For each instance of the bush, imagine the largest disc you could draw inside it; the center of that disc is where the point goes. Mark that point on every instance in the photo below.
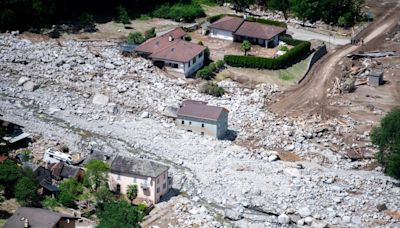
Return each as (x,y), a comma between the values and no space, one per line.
(212,67)
(150,33)
(291,57)
(212,89)
(49,203)
(220,64)
(135,38)
(144,17)
(205,73)
(387,138)
(26,191)
(200,43)
(284,48)
(188,38)
(122,15)
(178,12)
(87,19)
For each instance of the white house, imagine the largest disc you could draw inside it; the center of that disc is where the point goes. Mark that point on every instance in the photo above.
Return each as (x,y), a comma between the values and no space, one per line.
(238,29)
(197,116)
(150,177)
(171,51)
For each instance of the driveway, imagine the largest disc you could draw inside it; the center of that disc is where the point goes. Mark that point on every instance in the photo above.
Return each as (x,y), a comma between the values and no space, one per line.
(303,34)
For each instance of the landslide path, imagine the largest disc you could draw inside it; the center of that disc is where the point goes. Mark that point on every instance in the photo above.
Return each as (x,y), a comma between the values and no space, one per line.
(311,94)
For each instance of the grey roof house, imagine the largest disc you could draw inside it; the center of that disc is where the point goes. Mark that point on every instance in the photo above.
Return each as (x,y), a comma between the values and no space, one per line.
(197,116)
(150,177)
(39,218)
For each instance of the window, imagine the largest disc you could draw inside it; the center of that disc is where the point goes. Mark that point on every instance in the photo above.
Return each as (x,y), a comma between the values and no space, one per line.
(134,180)
(158,180)
(194,60)
(51,156)
(164,186)
(189,63)
(119,177)
(158,190)
(190,122)
(175,65)
(202,125)
(183,122)
(200,55)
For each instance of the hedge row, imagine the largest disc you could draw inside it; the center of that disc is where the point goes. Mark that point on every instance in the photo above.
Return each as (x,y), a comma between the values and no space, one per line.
(215,18)
(186,12)
(291,57)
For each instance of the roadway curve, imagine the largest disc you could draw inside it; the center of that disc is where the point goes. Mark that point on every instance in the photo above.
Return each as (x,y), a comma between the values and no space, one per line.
(310,96)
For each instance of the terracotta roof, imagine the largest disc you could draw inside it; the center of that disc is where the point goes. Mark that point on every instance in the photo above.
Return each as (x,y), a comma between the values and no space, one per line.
(200,110)
(37,217)
(136,166)
(3,157)
(227,23)
(258,30)
(179,50)
(160,42)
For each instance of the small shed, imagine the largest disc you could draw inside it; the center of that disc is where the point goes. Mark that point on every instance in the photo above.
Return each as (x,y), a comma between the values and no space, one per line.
(375,78)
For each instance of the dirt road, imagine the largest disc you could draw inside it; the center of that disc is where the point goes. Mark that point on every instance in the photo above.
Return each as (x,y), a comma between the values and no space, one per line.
(311,94)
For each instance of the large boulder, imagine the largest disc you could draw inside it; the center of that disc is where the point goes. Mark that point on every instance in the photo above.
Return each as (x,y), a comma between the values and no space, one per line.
(22,80)
(100,99)
(30,86)
(283,219)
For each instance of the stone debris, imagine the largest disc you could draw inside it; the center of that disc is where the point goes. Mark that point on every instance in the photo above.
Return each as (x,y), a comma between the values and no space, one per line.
(93,99)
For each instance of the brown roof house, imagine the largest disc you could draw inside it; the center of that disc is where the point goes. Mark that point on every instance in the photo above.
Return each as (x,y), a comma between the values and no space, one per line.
(150,177)
(170,50)
(238,29)
(39,218)
(197,116)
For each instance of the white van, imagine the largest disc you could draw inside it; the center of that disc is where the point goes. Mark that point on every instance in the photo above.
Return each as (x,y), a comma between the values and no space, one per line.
(54,156)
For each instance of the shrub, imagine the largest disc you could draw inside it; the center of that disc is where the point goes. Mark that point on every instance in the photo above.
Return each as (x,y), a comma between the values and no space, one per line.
(200,43)
(220,64)
(387,138)
(122,15)
(212,89)
(245,46)
(135,38)
(150,33)
(25,191)
(212,67)
(284,48)
(87,19)
(178,12)
(144,17)
(49,203)
(291,57)
(205,73)
(188,38)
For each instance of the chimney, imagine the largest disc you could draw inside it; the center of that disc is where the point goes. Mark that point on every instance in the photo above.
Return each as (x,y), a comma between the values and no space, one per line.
(26,223)
(170,38)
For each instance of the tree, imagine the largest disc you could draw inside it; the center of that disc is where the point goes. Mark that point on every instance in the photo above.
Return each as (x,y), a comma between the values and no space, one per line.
(122,15)
(241,5)
(96,173)
(26,191)
(119,214)
(305,9)
(135,38)
(132,192)
(280,5)
(211,88)
(386,137)
(70,189)
(1,193)
(150,33)
(9,174)
(245,46)
(103,197)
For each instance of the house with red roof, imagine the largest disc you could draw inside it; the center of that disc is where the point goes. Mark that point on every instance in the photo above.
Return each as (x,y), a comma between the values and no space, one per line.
(239,29)
(171,51)
(197,116)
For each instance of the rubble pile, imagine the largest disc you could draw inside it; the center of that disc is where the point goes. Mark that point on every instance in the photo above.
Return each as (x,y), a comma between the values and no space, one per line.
(88,95)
